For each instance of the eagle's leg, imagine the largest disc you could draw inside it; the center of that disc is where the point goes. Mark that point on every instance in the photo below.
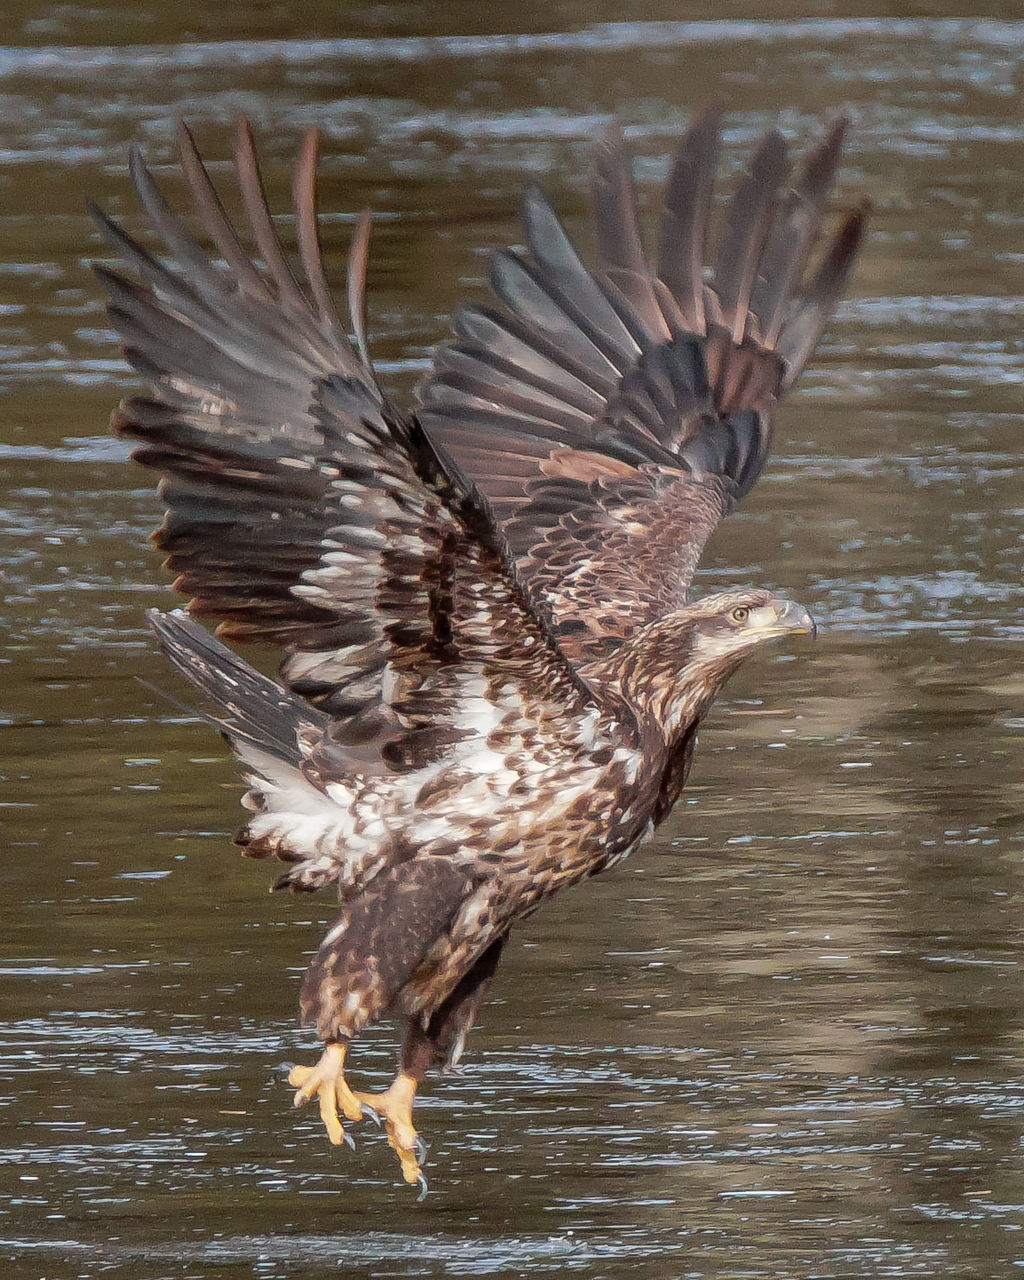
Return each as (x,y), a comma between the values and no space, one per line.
(453,1021)
(394,1105)
(326,1081)
(441,1040)
(361,966)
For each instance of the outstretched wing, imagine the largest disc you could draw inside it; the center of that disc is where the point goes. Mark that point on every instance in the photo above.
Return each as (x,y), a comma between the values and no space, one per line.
(235,355)
(609,421)
(302,510)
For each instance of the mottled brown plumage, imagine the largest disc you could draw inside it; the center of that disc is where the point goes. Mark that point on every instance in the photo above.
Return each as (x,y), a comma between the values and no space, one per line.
(492,675)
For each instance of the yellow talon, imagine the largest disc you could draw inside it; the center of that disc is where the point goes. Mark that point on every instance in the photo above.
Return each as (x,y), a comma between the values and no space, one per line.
(395,1106)
(327,1081)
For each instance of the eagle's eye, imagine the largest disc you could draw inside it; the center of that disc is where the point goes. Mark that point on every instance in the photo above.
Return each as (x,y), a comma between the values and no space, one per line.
(740,614)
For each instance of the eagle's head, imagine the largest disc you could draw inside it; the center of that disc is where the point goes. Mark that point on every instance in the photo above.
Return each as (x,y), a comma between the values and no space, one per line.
(674,668)
(726,626)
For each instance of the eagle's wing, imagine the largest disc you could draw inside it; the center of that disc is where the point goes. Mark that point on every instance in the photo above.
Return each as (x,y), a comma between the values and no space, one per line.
(607,421)
(236,355)
(302,509)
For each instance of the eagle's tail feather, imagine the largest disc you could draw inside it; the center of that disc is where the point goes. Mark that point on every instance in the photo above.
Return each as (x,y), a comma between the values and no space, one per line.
(253,709)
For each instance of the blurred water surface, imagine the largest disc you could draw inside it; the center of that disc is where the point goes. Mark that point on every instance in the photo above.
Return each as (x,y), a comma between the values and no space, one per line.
(788,1039)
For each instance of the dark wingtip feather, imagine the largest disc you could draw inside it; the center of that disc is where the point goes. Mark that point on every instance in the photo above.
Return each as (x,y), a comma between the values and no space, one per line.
(304,196)
(687,207)
(212,215)
(820,166)
(358,258)
(254,198)
(820,297)
(104,222)
(748,221)
(796,228)
(136,159)
(613,202)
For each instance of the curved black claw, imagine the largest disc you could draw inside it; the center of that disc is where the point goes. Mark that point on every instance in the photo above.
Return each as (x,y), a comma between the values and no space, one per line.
(348,1140)
(421,1182)
(421,1151)
(369,1113)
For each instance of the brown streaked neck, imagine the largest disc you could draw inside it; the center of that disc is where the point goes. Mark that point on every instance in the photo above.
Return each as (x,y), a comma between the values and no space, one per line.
(654,675)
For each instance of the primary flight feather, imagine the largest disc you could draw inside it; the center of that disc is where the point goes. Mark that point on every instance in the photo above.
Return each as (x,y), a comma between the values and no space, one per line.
(493,673)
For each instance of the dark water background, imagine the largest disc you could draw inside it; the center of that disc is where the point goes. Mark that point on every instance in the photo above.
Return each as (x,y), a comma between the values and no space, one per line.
(788,1039)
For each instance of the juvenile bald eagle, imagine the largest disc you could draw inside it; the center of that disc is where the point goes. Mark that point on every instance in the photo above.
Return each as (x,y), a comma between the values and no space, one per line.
(492,675)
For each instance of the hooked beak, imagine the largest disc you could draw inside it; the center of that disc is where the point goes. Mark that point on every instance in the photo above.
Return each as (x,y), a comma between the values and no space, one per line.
(795,619)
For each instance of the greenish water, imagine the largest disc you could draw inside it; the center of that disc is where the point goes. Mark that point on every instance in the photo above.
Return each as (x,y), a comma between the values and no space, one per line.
(788,1039)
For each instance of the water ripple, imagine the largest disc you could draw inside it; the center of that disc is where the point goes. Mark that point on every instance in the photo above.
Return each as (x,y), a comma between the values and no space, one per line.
(618,37)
